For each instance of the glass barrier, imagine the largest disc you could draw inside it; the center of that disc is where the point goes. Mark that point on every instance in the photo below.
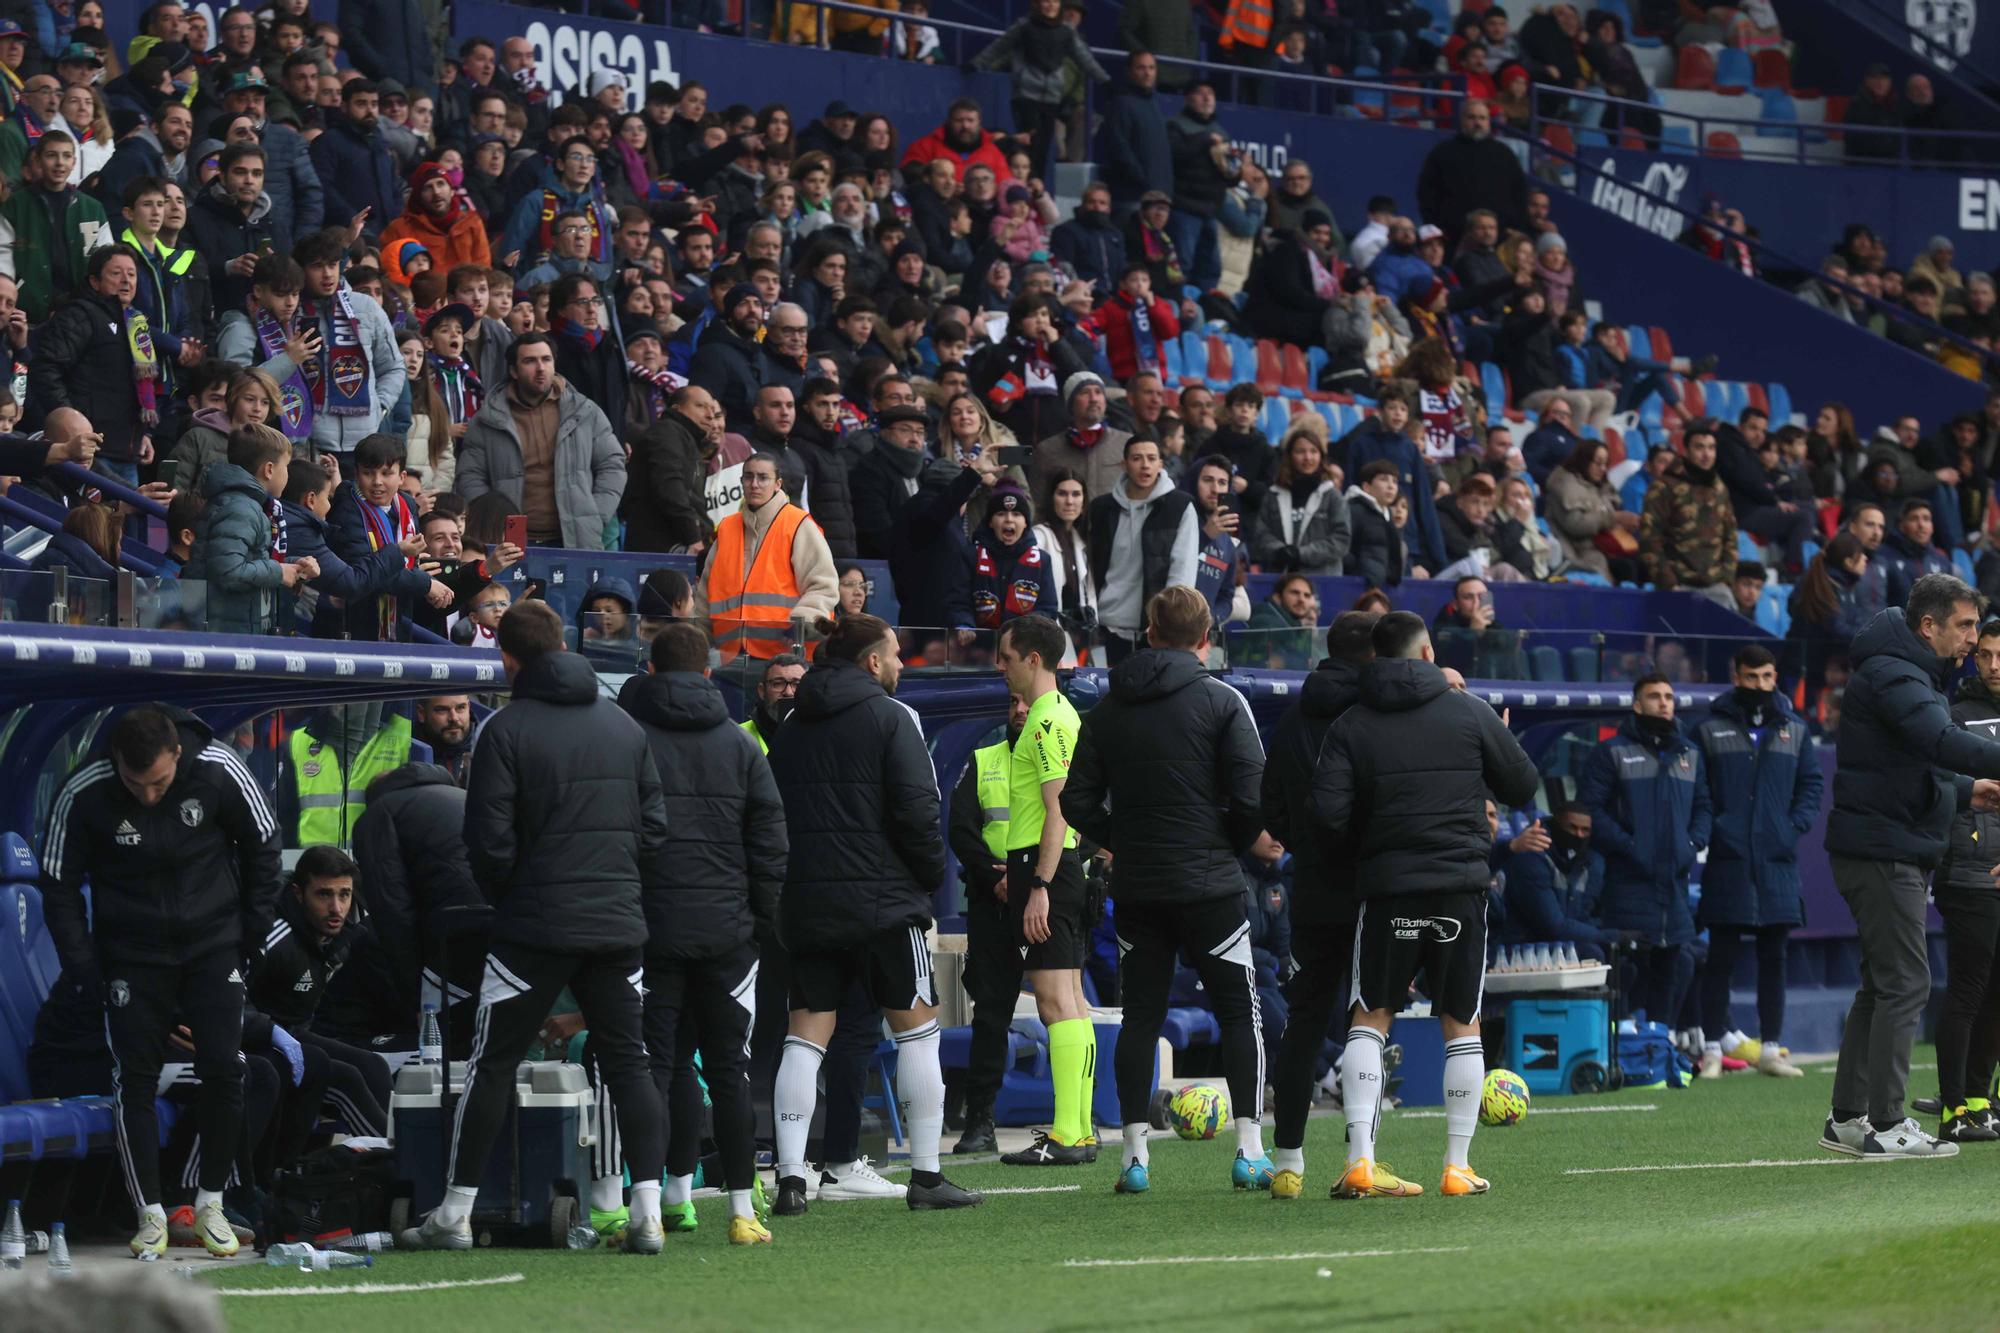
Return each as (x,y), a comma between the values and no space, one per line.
(44,597)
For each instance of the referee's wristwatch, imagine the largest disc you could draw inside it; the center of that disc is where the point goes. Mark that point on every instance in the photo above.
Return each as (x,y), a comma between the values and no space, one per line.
(1037,883)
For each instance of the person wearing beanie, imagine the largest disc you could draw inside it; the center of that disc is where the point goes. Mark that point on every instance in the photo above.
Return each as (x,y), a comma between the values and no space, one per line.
(1935,263)
(1010,571)
(1553,272)
(438,218)
(729,363)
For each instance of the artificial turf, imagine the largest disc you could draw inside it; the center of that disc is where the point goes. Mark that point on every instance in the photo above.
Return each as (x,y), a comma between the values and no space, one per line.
(1846,1244)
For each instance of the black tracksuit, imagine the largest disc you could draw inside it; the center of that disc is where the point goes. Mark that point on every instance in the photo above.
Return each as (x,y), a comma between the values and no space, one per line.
(711,896)
(181,894)
(1324,905)
(1968,1028)
(287,981)
(562,815)
(1166,775)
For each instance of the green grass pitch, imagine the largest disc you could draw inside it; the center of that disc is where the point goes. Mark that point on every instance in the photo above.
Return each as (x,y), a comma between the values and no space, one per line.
(1839,1244)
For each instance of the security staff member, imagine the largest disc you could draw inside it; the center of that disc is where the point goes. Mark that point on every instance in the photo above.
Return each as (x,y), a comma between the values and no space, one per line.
(330,762)
(182,853)
(978,834)
(775,689)
(1044,887)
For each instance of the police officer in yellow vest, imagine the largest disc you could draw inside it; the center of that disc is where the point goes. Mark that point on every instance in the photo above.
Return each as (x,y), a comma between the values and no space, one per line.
(775,689)
(978,833)
(331,760)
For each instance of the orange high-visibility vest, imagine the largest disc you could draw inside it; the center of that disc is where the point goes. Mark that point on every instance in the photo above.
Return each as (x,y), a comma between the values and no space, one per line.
(752,613)
(1247,23)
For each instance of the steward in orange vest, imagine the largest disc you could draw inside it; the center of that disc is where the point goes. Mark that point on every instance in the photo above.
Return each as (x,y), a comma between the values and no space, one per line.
(768,567)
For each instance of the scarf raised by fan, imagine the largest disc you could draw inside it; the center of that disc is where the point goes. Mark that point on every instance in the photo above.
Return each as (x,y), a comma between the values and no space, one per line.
(386,530)
(295,395)
(145,364)
(341,383)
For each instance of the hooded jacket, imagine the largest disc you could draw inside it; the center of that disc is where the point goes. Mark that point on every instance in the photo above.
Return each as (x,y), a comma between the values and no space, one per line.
(665,503)
(861,811)
(289,976)
(1167,775)
(1404,775)
(232,552)
(1765,793)
(732,368)
(563,813)
(717,885)
(1138,547)
(194,873)
(206,442)
(1322,866)
(1975,835)
(1377,551)
(1905,769)
(1371,440)
(1649,814)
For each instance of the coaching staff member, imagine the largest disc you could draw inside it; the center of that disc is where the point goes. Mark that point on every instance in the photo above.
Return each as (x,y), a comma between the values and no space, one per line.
(1166,777)
(1899,782)
(562,812)
(1404,775)
(181,851)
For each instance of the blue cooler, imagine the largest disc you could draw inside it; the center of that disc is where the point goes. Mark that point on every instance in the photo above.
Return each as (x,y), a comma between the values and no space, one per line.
(540,1164)
(1550,1042)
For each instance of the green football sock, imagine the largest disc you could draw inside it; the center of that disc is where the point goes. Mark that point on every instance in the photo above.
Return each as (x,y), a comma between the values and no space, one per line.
(1085,1119)
(1071,1043)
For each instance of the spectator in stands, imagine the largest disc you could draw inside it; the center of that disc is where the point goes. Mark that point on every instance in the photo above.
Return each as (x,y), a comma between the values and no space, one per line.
(86,547)
(1616,70)
(1205,166)
(1747,588)
(961,140)
(548,449)
(1010,575)
(1761,510)
(354,167)
(1035,51)
(1635,378)
(1399,269)
(1935,263)
(1823,295)
(1922,299)
(1834,449)
(1478,535)
(1280,632)
(1386,435)
(588,357)
(1144,536)
(1550,442)
(1293,285)
(1377,550)
(1584,515)
(233,551)
(1647,791)
(91,354)
(1472,170)
(887,478)
(1874,106)
(252,398)
(664,500)
(33,217)
(1024,378)
(1687,534)
(1924,111)
(1830,604)
(1090,243)
(1136,325)
(372,526)
(1302,522)
(1248,450)
(1908,553)
(1224,558)
(439,219)
(361,377)
(230,224)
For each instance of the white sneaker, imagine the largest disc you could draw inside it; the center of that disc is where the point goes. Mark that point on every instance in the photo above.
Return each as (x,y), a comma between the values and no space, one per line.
(436,1235)
(1904,1141)
(1845,1136)
(1776,1061)
(1711,1063)
(857,1180)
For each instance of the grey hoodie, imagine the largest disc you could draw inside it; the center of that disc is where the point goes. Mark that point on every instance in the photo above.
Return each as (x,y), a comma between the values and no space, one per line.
(1121,605)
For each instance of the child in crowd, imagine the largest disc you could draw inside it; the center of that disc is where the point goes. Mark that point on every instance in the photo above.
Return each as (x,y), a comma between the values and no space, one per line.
(371,515)
(240,538)
(1010,572)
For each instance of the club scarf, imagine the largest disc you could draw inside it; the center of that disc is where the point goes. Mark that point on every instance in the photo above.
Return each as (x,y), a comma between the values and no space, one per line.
(553,206)
(385,531)
(295,395)
(280,540)
(656,386)
(30,126)
(341,383)
(1159,249)
(1145,347)
(459,384)
(1087,437)
(569,328)
(145,364)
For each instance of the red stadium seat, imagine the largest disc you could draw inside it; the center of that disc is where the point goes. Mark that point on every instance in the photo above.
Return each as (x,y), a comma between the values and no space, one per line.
(1695,71)
(1292,373)
(1774,69)
(1269,375)
(1721,143)
(1614,444)
(1663,346)
(1758,399)
(1559,138)
(1694,403)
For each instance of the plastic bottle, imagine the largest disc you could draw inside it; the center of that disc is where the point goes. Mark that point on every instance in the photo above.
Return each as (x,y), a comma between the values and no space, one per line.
(59,1260)
(364,1242)
(13,1238)
(309,1260)
(430,1041)
(582,1237)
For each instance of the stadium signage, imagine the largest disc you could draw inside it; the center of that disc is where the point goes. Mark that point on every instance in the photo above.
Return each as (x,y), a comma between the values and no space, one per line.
(1643,205)
(567,54)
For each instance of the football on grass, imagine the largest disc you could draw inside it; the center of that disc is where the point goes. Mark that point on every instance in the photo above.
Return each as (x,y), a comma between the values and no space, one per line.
(1200,1110)
(1504,1099)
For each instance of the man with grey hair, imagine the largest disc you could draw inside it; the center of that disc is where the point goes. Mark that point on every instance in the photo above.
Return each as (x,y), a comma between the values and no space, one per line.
(764,240)
(1905,770)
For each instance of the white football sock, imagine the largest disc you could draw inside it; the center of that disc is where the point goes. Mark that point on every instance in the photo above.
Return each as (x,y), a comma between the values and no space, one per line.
(1249,1136)
(920,1090)
(607,1194)
(457,1205)
(153,1209)
(645,1201)
(792,1102)
(1361,1089)
(1135,1144)
(1730,1041)
(1289,1159)
(677,1189)
(203,1198)
(1464,1079)
(739,1204)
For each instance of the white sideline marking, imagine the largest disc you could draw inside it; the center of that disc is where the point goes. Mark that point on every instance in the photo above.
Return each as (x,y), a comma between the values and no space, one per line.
(1545,1110)
(1713,1166)
(1258,1258)
(1832,1068)
(1035,1189)
(373,1288)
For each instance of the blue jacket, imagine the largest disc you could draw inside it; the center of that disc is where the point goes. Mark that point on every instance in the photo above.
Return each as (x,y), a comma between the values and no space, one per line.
(357,172)
(1905,768)
(232,552)
(386,40)
(1133,153)
(346,532)
(1370,441)
(1551,898)
(1903,563)
(1094,247)
(1573,363)
(1399,273)
(298,203)
(524,227)
(306,534)
(1765,797)
(1545,449)
(1649,815)
(1604,367)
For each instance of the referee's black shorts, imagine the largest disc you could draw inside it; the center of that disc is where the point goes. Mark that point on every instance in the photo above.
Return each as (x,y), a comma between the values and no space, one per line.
(1068,939)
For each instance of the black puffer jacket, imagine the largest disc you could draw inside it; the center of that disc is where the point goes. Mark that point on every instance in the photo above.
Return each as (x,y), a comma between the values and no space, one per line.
(861,809)
(1975,835)
(1166,775)
(1903,768)
(829,493)
(1322,867)
(410,845)
(289,978)
(562,809)
(170,882)
(1406,774)
(725,856)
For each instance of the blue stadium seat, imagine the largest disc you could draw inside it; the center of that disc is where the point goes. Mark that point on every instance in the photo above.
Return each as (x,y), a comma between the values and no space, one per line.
(1187,1027)
(1494,383)
(1780,399)
(1176,363)
(1194,356)
(1778,105)
(1747,548)
(1732,68)
(1961,560)
(1316,360)
(1677,139)
(1774,609)
(1273,420)
(1545,663)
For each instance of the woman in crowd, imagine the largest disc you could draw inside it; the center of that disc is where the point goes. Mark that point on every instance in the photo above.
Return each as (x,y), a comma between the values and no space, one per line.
(1302,522)
(853,595)
(1583,512)
(1828,606)
(1836,452)
(1064,536)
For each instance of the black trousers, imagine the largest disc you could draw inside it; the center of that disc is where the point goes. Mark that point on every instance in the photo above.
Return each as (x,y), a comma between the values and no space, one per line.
(1215,936)
(1319,992)
(142,1003)
(707,1005)
(357,1084)
(514,997)
(993,981)
(1657,981)
(259,1148)
(1968,1030)
(1724,943)
(1038,121)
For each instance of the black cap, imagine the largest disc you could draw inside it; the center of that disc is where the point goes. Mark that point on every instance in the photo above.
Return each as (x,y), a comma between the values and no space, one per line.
(836,109)
(897,415)
(456,310)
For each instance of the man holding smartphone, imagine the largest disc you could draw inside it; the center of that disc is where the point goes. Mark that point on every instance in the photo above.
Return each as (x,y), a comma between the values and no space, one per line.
(1218,573)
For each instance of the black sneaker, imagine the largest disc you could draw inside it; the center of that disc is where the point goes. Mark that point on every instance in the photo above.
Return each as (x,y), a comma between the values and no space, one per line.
(1045,1151)
(791,1198)
(944,1194)
(1967,1127)
(978,1136)
(1928,1106)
